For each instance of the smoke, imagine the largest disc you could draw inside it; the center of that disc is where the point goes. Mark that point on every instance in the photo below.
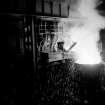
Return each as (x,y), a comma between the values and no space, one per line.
(83,26)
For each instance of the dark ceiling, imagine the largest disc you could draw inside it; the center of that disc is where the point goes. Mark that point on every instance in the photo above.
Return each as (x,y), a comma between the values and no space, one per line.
(27,6)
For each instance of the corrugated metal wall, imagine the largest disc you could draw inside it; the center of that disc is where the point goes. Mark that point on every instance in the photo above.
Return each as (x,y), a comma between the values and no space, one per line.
(40,7)
(52,8)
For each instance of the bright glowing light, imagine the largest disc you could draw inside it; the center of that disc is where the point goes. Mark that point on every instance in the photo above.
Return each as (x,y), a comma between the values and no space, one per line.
(86,49)
(85,32)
